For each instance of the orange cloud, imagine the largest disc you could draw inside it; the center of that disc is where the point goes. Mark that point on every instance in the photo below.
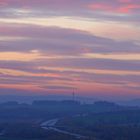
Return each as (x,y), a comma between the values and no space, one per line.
(92,71)
(28,74)
(26,87)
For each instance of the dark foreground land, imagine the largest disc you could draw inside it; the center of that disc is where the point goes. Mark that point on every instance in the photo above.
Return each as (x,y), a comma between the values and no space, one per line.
(97,121)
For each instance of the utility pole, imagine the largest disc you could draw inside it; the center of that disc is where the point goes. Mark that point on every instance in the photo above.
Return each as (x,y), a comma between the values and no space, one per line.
(73,95)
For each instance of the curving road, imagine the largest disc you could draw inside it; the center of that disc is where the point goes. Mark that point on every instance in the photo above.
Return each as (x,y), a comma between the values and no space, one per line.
(50,125)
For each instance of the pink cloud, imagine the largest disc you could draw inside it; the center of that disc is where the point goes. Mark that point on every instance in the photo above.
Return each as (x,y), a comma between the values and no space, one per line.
(116,6)
(127,8)
(125,1)
(99,6)
(3,3)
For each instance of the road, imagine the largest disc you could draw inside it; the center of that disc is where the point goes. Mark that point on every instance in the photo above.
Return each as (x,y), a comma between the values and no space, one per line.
(50,125)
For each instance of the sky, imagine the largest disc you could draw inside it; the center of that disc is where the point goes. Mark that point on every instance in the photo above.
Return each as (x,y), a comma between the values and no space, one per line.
(57,46)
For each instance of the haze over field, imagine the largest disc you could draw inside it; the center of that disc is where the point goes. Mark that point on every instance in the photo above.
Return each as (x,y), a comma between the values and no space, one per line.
(55,46)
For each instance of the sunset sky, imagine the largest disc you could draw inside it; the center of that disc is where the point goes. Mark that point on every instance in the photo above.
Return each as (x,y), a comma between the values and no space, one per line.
(57,46)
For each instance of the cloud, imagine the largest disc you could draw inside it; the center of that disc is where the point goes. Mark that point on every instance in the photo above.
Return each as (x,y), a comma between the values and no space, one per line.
(54,40)
(52,46)
(124,9)
(100,9)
